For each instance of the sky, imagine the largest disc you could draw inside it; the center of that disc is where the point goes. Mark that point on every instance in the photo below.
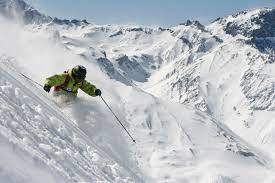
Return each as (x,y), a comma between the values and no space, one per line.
(164,13)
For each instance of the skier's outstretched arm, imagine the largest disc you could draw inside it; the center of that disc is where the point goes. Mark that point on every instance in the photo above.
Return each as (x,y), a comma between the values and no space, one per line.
(90,89)
(54,80)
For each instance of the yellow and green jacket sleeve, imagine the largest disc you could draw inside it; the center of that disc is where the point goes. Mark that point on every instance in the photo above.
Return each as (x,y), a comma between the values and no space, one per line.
(55,80)
(88,88)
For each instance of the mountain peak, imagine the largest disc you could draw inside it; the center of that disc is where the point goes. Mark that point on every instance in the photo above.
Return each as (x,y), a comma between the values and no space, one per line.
(193,22)
(257,23)
(20,10)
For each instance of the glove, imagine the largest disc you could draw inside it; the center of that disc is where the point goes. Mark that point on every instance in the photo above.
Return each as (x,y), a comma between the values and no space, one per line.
(47,88)
(97,92)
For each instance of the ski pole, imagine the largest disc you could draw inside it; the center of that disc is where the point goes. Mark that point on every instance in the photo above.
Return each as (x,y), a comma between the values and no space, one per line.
(117,119)
(31,80)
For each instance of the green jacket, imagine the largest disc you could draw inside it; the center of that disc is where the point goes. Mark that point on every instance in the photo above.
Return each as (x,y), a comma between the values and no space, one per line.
(71,86)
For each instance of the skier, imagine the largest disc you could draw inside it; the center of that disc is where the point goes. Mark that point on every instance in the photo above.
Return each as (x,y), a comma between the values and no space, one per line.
(68,83)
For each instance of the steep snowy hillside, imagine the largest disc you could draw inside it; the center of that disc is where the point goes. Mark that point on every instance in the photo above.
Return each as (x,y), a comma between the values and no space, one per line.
(33,129)
(174,143)
(234,81)
(219,126)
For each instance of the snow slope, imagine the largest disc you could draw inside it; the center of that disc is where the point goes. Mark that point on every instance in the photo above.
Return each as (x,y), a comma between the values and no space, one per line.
(174,142)
(47,138)
(233,82)
(222,129)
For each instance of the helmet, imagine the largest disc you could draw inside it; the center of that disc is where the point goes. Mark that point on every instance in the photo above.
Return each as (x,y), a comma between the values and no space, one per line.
(79,72)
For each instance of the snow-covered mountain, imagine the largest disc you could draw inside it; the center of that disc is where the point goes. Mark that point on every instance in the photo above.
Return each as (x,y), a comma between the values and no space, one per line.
(21,11)
(198,99)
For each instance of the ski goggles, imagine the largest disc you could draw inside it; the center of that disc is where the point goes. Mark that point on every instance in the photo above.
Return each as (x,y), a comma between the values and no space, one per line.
(79,76)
